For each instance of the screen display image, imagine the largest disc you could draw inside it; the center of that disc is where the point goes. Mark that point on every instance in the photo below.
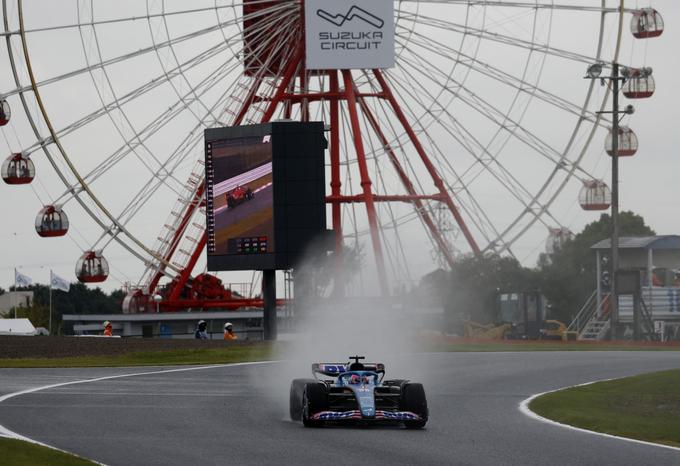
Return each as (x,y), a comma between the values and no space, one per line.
(265,198)
(242,196)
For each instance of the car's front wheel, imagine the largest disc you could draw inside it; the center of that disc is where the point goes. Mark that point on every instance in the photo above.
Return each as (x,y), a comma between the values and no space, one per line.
(314,400)
(413,400)
(297,388)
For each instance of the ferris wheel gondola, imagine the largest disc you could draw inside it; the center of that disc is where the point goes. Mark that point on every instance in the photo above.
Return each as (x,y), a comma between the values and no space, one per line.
(18,169)
(5,112)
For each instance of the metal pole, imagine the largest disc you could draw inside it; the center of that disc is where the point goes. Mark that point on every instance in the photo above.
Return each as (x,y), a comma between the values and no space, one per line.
(12,299)
(269,298)
(636,316)
(50,326)
(11,295)
(615,202)
(598,272)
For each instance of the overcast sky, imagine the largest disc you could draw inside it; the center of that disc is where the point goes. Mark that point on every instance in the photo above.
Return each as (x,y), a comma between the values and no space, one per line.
(649,181)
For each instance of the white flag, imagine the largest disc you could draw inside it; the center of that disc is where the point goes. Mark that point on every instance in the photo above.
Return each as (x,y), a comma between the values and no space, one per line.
(22,280)
(58,283)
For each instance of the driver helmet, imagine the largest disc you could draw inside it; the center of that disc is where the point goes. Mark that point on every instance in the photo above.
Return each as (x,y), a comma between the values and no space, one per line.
(228,326)
(355,379)
(202,324)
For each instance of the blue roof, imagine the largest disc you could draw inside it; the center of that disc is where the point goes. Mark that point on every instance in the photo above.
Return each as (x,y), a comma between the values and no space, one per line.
(642,242)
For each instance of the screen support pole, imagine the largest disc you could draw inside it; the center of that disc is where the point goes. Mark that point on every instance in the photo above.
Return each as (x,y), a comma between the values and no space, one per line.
(269,298)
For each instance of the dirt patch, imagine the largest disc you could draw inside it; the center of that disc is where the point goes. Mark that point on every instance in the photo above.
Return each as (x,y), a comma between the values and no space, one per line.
(15,347)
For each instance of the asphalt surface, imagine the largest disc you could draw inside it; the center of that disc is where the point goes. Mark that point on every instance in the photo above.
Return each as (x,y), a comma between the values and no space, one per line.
(237,414)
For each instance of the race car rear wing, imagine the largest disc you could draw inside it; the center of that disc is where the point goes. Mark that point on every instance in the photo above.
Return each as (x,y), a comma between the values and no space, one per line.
(334,369)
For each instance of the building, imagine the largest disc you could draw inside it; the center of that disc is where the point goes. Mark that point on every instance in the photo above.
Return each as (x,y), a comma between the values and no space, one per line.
(657,258)
(15,298)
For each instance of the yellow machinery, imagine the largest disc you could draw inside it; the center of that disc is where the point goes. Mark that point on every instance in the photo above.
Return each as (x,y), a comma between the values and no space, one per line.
(486,332)
(553,330)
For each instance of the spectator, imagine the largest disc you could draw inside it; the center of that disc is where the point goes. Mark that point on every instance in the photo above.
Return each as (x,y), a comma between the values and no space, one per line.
(201,330)
(229,332)
(108,329)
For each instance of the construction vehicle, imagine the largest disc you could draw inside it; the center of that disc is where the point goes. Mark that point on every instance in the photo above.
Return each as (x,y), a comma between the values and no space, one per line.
(521,316)
(486,332)
(553,330)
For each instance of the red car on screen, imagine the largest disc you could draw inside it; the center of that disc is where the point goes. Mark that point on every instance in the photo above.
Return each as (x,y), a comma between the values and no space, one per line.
(238,196)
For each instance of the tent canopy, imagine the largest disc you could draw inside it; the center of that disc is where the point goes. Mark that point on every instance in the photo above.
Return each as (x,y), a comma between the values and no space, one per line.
(16,327)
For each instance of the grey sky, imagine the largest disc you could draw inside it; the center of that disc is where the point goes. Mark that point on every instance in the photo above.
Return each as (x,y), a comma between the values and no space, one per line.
(648,180)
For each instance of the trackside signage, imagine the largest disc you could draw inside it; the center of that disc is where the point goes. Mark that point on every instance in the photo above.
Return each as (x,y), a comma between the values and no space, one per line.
(349,34)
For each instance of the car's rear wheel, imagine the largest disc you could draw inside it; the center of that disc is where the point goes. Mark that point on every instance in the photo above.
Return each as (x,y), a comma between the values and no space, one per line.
(314,400)
(413,400)
(297,388)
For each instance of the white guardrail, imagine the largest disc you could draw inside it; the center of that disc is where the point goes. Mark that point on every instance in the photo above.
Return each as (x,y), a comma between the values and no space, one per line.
(227,185)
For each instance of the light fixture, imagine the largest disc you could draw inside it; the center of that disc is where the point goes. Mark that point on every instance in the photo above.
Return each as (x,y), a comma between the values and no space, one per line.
(594,70)
(646,71)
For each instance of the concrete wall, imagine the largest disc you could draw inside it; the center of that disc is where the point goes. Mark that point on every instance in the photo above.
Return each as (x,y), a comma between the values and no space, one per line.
(15,298)
(171,329)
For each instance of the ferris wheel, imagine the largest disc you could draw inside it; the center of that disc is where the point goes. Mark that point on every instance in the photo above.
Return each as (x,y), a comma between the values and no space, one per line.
(478,139)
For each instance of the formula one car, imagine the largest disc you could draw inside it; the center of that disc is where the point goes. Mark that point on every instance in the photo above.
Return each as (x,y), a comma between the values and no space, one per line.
(238,196)
(356,393)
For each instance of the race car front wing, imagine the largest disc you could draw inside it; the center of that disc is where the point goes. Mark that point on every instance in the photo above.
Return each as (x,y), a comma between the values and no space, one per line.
(356,415)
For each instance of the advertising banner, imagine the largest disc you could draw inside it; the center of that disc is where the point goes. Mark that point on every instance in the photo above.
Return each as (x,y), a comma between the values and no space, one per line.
(349,34)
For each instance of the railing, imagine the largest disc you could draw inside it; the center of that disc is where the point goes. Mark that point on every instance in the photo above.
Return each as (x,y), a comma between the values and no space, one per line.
(648,322)
(584,315)
(663,303)
(591,312)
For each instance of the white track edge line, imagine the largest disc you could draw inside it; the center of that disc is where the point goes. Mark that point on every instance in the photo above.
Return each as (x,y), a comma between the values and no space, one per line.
(6,433)
(524,409)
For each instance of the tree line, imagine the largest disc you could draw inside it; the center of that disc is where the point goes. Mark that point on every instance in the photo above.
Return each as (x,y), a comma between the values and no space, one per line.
(468,292)
(566,277)
(78,300)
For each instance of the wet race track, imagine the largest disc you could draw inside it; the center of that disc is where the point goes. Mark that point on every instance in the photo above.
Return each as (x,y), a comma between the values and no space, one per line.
(237,414)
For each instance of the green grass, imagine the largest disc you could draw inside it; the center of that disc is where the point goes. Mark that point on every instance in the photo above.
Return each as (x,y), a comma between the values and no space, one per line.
(510,345)
(20,453)
(240,353)
(267,351)
(645,407)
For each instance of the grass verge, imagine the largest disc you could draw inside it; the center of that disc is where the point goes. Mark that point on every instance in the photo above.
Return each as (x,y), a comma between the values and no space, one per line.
(20,453)
(231,354)
(644,407)
(266,351)
(470,345)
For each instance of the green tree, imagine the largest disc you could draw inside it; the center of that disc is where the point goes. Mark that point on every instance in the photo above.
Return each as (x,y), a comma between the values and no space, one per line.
(568,278)
(474,283)
(78,300)
(38,314)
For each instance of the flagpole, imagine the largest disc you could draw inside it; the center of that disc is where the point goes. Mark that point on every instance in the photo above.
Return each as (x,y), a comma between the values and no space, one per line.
(50,327)
(15,291)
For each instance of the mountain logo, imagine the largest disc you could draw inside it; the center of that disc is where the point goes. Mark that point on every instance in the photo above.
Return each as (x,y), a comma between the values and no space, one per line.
(354,12)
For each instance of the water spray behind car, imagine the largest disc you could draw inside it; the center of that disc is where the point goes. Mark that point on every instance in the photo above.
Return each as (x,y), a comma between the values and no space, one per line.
(331,328)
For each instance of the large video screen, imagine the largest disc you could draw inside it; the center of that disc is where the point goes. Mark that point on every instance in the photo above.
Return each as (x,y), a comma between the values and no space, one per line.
(265,194)
(241,196)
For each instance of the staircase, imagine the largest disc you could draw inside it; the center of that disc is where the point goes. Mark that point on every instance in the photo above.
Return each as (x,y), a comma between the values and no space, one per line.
(596,329)
(592,322)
